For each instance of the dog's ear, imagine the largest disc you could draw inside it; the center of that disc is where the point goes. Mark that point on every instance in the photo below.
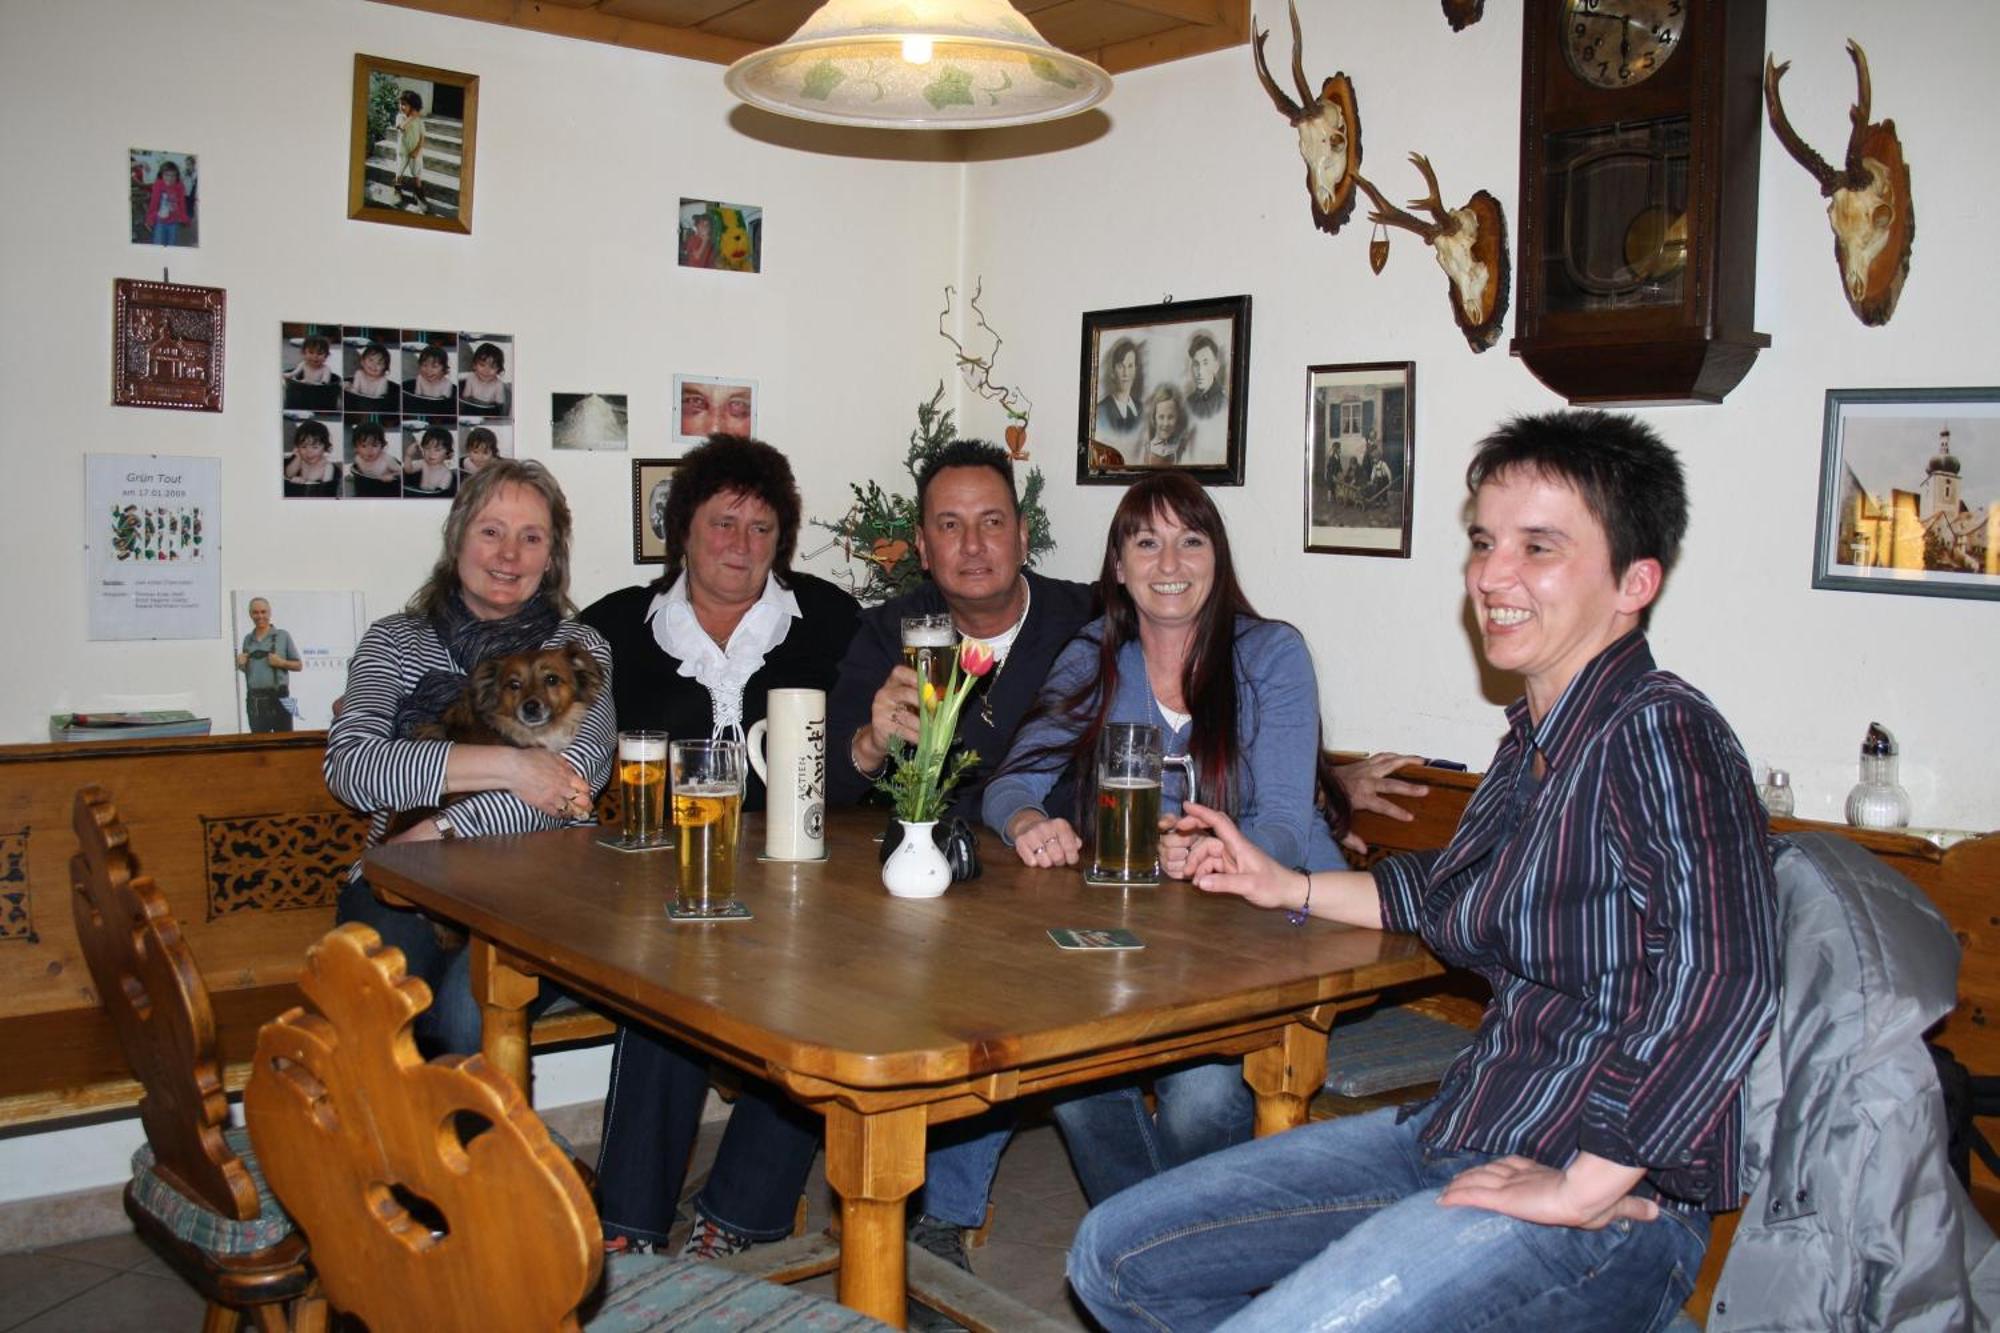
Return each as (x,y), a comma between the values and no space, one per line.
(483,687)
(589,675)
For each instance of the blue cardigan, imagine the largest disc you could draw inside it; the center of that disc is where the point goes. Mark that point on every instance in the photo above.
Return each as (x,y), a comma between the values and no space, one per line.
(1277,705)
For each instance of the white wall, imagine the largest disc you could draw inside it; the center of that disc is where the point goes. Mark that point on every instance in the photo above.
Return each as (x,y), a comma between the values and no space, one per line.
(1197,190)
(584,151)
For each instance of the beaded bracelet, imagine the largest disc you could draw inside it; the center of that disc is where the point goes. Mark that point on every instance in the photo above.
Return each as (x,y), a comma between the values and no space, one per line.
(1298,915)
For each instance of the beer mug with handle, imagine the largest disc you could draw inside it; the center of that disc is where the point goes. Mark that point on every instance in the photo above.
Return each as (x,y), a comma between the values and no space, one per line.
(1127,823)
(787,747)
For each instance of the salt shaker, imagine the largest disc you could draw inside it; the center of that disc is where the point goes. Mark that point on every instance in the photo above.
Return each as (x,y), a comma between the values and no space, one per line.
(1776,793)
(1878,800)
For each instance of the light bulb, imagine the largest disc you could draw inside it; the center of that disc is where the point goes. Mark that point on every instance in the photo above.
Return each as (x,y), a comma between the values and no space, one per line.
(917,50)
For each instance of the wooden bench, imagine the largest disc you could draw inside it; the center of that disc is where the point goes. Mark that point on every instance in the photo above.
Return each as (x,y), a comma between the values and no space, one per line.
(250,850)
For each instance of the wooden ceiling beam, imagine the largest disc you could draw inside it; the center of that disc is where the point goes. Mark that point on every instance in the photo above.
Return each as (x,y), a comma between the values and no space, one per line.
(1177,43)
(591,25)
(1205,13)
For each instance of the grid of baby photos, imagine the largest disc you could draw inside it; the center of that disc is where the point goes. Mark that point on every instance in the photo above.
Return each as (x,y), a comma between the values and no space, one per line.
(382,414)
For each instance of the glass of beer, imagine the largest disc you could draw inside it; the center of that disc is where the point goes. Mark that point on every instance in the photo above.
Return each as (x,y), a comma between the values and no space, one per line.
(708,807)
(1128,804)
(642,786)
(929,644)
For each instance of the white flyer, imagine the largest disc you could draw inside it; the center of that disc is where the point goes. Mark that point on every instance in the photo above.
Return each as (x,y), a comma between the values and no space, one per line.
(151,536)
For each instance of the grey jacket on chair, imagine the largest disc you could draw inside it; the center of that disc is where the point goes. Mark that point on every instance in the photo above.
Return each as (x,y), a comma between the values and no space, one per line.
(1854,1219)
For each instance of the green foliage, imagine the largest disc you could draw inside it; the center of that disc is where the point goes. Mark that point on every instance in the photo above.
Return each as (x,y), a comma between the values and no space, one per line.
(382,95)
(880,529)
(918,792)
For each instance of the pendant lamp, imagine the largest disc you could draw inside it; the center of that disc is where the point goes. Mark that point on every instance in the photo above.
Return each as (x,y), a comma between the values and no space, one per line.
(918,65)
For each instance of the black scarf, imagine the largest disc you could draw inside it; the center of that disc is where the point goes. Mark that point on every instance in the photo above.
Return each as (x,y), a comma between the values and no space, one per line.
(470,641)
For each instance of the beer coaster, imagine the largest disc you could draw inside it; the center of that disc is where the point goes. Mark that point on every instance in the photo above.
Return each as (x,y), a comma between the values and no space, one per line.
(792,860)
(1102,882)
(615,840)
(733,910)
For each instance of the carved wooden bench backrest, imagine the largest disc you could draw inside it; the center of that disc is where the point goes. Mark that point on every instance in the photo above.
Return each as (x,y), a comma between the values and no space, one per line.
(150,986)
(431,1192)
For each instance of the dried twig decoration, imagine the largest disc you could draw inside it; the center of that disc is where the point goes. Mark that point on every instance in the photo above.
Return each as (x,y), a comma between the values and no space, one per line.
(978,372)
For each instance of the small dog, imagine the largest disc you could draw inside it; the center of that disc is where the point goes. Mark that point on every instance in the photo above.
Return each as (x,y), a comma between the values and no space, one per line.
(527,700)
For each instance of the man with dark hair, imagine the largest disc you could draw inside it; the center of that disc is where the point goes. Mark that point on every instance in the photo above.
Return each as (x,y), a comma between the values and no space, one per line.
(1206,394)
(1610,880)
(972,540)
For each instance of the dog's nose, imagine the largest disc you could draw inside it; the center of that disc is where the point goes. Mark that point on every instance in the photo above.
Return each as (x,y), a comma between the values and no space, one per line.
(534,712)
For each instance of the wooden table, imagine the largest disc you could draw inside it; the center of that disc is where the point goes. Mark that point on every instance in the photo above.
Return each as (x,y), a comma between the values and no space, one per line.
(888,1015)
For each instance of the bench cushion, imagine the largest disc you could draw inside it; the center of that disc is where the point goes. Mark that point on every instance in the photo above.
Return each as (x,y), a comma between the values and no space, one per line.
(200,1225)
(1390,1047)
(651,1293)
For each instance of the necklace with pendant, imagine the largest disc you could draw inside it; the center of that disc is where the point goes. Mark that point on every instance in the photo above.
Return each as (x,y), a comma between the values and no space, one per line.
(986,694)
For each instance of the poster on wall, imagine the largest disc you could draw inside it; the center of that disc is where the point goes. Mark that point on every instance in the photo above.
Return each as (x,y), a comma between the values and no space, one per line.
(378,413)
(164,195)
(290,653)
(150,541)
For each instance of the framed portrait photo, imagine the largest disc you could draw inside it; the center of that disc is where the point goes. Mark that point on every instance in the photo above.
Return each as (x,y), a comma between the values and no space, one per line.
(1360,456)
(708,405)
(411,148)
(1164,386)
(1909,492)
(651,479)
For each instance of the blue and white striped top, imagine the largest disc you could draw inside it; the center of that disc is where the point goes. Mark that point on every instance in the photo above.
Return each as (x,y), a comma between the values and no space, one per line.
(368,769)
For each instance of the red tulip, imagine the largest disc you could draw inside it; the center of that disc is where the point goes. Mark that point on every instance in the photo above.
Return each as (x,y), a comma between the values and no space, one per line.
(975,657)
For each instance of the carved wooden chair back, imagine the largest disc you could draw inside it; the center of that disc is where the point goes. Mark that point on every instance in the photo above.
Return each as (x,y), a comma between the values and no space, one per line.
(194,1190)
(148,982)
(432,1193)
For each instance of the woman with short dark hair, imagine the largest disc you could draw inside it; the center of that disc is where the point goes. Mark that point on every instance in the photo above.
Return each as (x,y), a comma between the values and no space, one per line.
(698,651)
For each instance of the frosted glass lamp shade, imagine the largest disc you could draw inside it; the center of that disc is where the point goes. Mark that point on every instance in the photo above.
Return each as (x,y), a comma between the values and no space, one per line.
(918,65)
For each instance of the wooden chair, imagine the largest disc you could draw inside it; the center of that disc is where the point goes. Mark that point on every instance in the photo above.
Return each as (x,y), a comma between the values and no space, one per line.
(433,1194)
(195,1191)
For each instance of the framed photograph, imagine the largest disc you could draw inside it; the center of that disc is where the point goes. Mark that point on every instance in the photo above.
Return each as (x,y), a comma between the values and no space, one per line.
(166,345)
(723,236)
(1163,386)
(1909,492)
(651,478)
(165,195)
(1360,456)
(588,421)
(714,404)
(411,149)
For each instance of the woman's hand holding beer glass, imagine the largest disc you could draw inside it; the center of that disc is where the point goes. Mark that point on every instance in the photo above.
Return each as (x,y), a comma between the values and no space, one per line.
(1041,841)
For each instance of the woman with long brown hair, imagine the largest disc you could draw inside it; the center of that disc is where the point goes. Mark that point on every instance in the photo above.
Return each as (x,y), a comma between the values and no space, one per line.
(1179,646)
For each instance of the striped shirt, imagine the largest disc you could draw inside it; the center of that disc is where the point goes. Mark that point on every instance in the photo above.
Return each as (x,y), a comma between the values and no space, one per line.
(367,768)
(1622,907)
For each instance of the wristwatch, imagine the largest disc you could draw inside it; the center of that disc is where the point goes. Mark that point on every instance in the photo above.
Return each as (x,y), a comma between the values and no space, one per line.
(446,829)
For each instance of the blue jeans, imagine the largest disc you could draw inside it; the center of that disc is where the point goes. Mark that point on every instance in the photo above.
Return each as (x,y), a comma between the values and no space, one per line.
(166,233)
(451,1026)
(1340,1220)
(1114,1142)
(959,1168)
(652,1112)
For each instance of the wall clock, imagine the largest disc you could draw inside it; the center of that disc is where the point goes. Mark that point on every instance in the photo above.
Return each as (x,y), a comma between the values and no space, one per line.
(1640,126)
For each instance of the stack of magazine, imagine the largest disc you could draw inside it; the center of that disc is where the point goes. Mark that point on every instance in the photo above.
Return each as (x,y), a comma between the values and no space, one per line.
(125,726)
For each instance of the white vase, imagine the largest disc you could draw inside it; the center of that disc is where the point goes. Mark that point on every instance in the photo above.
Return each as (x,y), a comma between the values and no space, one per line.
(917,868)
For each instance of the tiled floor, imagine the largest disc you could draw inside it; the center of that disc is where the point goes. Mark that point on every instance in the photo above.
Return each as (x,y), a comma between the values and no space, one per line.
(115,1284)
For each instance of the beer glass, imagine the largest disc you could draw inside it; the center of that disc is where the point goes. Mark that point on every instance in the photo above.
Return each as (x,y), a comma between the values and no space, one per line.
(1127,846)
(708,807)
(929,644)
(642,786)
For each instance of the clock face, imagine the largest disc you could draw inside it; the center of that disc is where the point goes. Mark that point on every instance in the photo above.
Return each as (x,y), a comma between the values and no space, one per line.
(1620,43)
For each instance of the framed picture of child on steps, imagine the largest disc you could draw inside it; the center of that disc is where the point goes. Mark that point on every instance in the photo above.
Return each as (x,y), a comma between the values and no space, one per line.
(411,151)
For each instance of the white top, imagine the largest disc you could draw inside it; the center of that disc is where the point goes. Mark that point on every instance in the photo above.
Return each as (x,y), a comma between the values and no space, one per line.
(1002,644)
(723,671)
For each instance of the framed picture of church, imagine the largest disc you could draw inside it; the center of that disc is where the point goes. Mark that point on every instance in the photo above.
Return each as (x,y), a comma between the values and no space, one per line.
(1909,492)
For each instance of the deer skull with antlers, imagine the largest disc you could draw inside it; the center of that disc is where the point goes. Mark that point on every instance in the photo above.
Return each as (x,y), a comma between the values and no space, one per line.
(1471,247)
(1868,197)
(1329,129)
